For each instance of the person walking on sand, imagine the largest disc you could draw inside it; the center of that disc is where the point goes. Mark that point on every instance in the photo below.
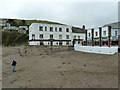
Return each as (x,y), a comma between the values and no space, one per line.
(14,65)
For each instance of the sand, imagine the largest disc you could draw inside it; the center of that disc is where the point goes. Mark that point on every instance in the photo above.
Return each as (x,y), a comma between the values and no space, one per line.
(67,69)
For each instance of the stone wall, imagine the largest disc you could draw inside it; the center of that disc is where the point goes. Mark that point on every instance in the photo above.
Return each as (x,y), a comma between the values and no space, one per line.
(43,50)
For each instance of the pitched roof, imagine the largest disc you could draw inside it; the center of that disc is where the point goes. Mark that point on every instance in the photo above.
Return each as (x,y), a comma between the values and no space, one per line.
(77,30)
(113,25)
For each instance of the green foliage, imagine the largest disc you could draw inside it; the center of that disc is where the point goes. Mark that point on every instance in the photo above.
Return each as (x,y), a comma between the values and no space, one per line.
(41,21)
(12,22)
(19,22)
(13,38)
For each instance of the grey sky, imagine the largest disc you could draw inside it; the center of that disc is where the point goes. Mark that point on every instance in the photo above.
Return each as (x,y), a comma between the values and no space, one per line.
(92,14)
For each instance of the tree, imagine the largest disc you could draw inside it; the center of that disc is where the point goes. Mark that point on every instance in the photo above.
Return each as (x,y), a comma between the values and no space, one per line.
(23,22)
(12,22)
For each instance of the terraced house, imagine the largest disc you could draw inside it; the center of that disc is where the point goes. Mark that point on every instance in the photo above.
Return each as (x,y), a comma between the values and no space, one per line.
(54,34)
(104,31)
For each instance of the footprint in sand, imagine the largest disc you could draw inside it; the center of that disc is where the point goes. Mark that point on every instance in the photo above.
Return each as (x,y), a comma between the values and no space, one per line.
(84,65)
(7,63)
(29,80)
(62,74)
(98,65)
(20,70)
(63,63)
(13,81)
(6,73)
(60,86)
(62,57)
(59,67)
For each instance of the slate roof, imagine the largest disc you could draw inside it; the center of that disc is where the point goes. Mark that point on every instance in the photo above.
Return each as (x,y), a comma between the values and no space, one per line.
(113,25)
(77,30)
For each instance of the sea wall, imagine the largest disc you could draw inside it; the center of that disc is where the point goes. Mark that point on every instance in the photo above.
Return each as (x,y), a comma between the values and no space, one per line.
(41,50)
(97,49)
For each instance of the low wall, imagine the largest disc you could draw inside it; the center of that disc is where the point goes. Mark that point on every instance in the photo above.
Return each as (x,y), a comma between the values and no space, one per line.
(96,49)
(41,50)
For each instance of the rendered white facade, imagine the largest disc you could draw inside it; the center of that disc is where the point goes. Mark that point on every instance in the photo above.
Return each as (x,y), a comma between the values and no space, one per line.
(61,33)
(114,33)
(78,36)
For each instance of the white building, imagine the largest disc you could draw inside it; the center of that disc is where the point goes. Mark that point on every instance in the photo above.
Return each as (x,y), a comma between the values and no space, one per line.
(78,36)
(11,28)
(23,29)
(3,22)
(114,34)
(43,34)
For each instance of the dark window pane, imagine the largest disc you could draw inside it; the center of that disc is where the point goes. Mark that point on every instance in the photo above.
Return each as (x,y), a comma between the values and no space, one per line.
(51,36)
(40,28)
(67,29)
(56,29)
(60,29)
(51,28)
(45,28)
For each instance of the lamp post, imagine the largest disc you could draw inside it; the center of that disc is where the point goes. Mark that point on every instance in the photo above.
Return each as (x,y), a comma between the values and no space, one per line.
(109,35)
(86,37)
(92,36)
(100,36)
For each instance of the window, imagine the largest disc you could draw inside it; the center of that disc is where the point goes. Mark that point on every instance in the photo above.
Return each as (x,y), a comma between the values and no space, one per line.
(40,28)
(56,43)
(115,33)
(41,36)
(78,42)
(41,43)
(67,43)
(89,34)
(48,43)
(45,28)
(56,29)
(33,36)
(60,29)
(96,33)
(67,36)
(104,33)
(78,37)
(51,28)
(60,43)
(51,36)
(74,37)
(67,29)
(60,36)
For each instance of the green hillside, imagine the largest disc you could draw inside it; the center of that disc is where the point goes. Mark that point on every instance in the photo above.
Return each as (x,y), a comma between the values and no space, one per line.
(14,38)
(20,22)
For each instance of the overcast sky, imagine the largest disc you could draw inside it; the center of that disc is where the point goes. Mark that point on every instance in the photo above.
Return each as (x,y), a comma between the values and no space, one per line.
(77,13)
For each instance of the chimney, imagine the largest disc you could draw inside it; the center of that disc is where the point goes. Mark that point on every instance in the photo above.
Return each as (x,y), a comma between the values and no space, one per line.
(83,27)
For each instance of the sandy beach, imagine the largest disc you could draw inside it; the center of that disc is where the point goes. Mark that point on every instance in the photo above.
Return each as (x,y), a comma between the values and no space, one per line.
(66,69)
